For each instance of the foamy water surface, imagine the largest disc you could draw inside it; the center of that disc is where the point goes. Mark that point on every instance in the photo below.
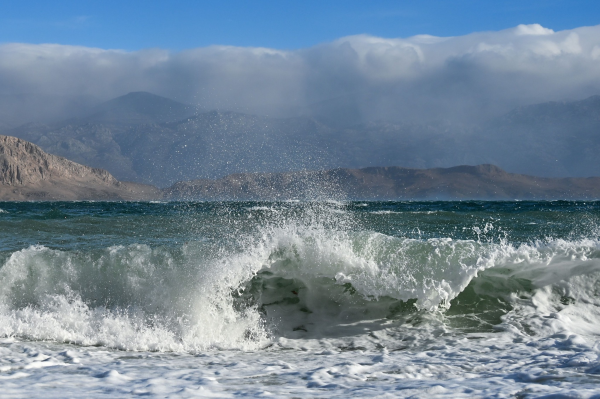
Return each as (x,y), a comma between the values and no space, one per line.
(432,299)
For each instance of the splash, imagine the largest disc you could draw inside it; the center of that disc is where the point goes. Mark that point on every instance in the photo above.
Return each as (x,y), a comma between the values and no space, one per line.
(307,271)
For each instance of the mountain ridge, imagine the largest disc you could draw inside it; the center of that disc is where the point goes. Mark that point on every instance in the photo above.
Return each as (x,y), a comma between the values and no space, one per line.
(554,139)
(28,173)
(140,106)
(463,182)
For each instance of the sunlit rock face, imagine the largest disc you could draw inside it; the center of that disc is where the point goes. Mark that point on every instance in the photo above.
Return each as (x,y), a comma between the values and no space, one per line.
(28,173)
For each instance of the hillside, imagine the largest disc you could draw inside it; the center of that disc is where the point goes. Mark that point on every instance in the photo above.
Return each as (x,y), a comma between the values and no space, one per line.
(485,182)
(28,173)
(154,140)
(140,107)
(554,139)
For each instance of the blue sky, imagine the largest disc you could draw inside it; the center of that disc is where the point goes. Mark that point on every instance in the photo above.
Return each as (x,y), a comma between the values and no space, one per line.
(178,24)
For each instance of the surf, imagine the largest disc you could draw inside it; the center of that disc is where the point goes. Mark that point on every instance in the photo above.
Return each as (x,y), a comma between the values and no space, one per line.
(299,272)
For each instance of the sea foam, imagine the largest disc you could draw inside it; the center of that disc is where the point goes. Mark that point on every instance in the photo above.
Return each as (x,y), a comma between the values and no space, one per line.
(288,279)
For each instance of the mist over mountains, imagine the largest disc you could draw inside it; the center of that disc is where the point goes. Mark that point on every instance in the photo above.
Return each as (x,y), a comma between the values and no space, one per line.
(150,139)
(524,99)
(28,173)
(351,80)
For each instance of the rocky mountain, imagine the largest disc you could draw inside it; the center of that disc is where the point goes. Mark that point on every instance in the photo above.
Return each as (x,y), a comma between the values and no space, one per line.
(133,145)
(95,139)
(153,140)
(486,182)
(28,173)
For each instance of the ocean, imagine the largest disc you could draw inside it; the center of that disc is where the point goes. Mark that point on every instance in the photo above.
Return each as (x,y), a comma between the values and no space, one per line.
(468,299)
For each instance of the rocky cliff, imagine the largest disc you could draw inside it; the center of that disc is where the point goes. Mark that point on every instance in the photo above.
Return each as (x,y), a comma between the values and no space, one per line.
(28,173)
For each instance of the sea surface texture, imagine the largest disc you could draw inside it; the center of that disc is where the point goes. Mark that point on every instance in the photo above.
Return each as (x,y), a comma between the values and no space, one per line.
(300,299)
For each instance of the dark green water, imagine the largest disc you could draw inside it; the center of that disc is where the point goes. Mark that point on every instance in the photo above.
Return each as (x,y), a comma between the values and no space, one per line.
(86,225)
(291,269)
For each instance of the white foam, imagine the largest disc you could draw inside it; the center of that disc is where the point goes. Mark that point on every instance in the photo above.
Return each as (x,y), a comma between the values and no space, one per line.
(141,307)
(179,304)
(138,298)
(485,365)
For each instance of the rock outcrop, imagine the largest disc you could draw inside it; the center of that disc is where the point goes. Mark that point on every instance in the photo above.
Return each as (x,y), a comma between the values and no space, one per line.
(28,173)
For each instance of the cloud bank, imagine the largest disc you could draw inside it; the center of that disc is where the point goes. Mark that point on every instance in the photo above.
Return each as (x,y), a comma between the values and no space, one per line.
(464,78)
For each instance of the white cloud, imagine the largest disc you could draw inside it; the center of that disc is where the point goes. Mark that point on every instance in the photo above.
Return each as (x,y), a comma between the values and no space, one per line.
(475,75)
(533,29)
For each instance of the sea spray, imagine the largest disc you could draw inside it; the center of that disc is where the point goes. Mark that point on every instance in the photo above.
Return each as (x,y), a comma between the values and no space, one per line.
(296,270)
(456,299)
(131,298)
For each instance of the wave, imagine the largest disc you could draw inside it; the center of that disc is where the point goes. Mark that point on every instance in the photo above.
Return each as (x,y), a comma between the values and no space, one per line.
(132,297)
(296,279)
(319,279)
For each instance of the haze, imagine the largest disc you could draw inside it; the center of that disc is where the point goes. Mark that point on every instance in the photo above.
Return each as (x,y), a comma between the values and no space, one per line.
(354,101)
(466,78)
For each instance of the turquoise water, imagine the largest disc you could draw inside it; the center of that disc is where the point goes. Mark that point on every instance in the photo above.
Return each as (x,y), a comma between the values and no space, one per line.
(78,225)
(343,280)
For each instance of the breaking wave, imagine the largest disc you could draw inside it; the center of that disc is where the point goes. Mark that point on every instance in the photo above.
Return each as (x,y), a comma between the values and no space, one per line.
(296,278)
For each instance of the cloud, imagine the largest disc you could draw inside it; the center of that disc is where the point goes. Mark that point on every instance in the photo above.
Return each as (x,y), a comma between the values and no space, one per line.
(422,77)
(533,29)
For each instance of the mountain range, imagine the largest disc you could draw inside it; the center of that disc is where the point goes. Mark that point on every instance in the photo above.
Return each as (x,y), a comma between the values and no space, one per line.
(481,182)
(150,139)
(28,173)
